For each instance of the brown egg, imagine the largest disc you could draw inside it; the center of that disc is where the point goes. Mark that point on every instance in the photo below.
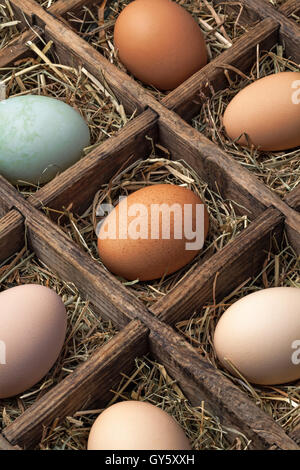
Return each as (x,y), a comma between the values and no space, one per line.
(159,42)
(32,332)
(136,425)
(260,335)
(268,112)
(151,233)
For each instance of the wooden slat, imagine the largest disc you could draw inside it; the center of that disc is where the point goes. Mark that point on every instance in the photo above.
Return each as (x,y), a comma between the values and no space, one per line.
(91,383)
(289,30)
(187,99)
(199,381)
(293,198)
(17,50)
(224,271)
(290,7)
(12,234)
(293,231)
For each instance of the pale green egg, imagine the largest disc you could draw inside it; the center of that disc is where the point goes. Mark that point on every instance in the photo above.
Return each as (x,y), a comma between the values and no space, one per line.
(39,138)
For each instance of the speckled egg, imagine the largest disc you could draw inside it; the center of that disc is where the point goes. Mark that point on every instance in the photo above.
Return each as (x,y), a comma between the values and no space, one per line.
(153,232)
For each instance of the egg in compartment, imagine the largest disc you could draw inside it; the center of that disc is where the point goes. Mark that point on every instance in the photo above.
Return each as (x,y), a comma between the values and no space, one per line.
(153,232)
(136,425)
(266,113)
(40,136)
(33,324)
(159,42)
(259,336)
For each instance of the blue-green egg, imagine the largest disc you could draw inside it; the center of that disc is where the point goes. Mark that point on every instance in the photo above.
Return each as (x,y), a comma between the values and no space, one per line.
(39,138)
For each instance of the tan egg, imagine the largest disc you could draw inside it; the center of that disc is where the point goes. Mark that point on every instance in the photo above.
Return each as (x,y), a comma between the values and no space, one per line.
(260,335)
(268,111)
(159,42)
(155,233)
(32,332)
(136,425)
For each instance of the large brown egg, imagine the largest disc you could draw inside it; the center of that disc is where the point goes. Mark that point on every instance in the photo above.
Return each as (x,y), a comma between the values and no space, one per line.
(266,113)
(136,425)
(159,42)
(153,232)
(260,335)
(32,332)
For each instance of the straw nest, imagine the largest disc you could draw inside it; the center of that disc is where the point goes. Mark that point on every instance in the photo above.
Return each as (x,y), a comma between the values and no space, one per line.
(148,382)
(85,332)
(281,268)
(280,171)
(95,24)
(42,74)
(225,223)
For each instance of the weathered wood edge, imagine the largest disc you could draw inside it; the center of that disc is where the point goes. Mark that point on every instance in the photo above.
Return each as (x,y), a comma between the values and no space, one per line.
(289,7)
(17,49)
(293,199)
(12,234)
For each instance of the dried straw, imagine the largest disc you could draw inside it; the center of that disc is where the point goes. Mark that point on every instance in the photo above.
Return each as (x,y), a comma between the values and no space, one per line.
(9,25)
(281,268)
(42,74)
(280,171)
(225,223)
(149,382)
(85,332)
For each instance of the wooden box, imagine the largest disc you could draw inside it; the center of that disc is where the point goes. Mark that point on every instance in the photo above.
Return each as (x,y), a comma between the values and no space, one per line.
(165,121)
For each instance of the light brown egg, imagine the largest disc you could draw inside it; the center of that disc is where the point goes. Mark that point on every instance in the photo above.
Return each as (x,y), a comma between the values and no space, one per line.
(260,335)
(268,111)
(147,243)
(32,332)
(159,42)
(136,425)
